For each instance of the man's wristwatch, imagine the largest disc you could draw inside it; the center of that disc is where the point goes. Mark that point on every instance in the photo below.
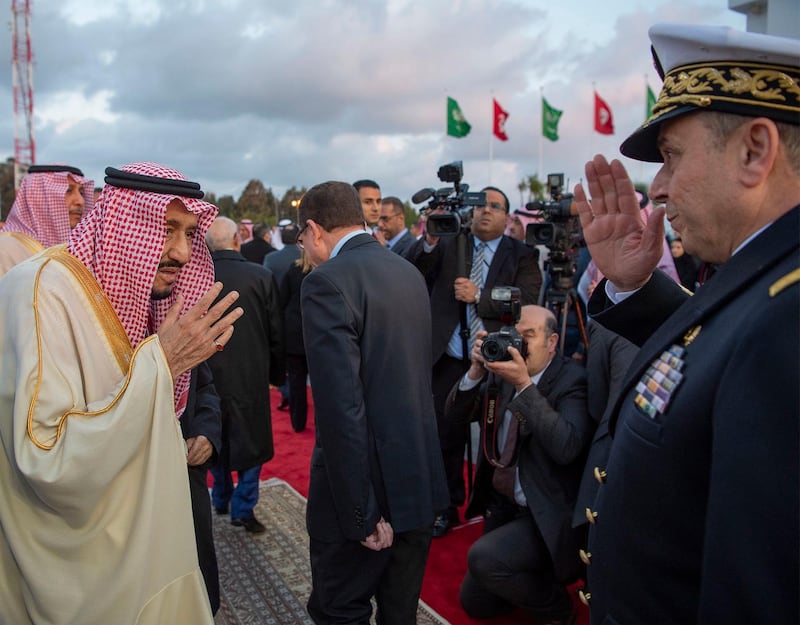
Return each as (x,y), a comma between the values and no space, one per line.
(477,296)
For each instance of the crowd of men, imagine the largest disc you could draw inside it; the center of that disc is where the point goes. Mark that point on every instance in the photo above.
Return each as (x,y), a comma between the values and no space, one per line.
(140,333)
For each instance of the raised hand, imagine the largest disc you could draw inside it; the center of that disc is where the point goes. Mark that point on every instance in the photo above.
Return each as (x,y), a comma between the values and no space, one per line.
(202,331)
(624,248)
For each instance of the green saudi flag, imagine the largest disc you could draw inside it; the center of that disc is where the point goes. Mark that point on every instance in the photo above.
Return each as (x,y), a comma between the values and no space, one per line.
(550,118)
(651,102)
(457,125)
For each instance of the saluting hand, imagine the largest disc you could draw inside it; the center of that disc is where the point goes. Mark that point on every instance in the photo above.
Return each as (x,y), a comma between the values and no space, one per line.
(624,248)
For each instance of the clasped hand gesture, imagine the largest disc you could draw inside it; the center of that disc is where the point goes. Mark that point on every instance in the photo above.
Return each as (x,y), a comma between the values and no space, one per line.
(189,340)
(624,248)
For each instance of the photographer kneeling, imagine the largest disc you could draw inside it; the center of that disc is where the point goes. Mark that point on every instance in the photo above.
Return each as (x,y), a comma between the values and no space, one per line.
(535,429)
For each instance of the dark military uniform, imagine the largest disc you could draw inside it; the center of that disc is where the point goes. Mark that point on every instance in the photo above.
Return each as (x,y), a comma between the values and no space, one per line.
(698,519)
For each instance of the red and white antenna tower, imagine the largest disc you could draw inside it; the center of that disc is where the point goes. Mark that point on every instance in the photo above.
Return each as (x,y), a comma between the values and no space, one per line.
(22,74)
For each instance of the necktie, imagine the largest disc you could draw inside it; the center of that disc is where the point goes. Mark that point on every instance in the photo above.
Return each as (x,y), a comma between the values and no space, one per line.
(476,277)
(503,478)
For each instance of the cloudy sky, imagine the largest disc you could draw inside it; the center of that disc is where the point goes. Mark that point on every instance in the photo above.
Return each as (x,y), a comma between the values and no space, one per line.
(295,93)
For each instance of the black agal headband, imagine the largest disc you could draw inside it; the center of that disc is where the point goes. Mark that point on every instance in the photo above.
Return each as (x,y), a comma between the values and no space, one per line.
(154,184)
(45,169)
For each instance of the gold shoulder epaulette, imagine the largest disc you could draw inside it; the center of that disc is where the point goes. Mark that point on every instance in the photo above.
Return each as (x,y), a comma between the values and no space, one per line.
(788,280)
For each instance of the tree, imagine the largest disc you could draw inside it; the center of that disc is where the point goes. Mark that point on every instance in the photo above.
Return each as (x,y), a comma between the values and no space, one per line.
(7,192)
(535,188)
(257,203)
(287,207)
(522,186)
(227,207)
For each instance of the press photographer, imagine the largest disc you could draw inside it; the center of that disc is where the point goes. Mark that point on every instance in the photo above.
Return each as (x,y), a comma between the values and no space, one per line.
(465,257)
(535,429)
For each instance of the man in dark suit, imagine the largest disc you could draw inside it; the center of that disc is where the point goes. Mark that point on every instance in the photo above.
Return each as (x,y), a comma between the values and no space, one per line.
(252,360)
(259,246)
(457,298)
(392,223)
(376,471)
(698,520)
(532,452)
(201,425)
(279,264)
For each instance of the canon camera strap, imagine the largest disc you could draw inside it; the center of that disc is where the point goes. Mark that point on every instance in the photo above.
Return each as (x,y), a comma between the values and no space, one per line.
(491,427)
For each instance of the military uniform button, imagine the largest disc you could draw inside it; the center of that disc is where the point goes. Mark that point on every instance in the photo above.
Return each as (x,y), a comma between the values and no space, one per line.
(591,516)
(584,596)
(585,556)
(600,475)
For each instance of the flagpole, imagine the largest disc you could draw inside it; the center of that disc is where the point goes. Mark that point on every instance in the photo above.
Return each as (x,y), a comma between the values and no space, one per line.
(594,112)
(541,135)
(491,145)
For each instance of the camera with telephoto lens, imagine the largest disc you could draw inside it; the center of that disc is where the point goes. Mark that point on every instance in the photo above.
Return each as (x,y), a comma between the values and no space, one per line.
(495,344)
(457,202)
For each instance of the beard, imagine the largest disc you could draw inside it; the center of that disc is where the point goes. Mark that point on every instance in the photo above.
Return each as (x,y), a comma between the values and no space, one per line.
(156,294)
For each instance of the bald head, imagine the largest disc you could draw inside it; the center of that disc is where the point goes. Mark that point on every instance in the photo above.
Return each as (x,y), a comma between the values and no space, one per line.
(539,328)
(541,316)
(223,235)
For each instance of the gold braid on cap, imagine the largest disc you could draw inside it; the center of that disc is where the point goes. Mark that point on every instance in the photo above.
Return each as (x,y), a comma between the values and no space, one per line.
(747,86)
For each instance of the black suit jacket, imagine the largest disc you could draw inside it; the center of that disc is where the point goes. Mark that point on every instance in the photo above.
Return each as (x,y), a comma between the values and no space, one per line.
(256,250)
(514,264)
(404,244)
(555,429)
(253,359)
(279,262)
(607,361)
(292,311)
(365,315)
(699,520)
(202,417)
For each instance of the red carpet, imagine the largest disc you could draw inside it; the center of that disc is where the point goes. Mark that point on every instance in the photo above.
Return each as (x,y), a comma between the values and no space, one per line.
(447,561)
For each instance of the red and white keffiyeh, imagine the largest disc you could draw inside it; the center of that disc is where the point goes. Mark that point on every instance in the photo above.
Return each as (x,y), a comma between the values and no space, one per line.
(40,208)
(121,242)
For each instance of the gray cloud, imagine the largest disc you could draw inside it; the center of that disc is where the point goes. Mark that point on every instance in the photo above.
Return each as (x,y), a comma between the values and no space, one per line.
(295,93)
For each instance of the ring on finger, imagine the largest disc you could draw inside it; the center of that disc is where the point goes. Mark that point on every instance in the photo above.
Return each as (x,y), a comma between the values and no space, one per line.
(218,345)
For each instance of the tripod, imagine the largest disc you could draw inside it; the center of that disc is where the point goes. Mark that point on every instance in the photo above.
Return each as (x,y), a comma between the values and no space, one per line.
(561,302)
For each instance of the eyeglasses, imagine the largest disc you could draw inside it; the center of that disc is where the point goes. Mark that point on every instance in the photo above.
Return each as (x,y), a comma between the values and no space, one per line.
(491,206)
(300,232)
(388,217)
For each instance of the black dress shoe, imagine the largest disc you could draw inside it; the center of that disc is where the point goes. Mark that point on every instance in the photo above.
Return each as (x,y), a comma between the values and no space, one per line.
(223,510)
(441,525)
(284,405)
(251,524)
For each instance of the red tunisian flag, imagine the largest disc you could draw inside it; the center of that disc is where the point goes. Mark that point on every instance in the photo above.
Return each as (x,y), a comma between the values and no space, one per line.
(500,117)
(603,121)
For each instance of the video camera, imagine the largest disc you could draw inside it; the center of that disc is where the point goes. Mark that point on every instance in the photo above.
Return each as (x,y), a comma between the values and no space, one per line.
(495,345)
(457,201)
(560,232)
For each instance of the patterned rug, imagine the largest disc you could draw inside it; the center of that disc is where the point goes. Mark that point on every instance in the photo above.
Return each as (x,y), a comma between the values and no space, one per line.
(265,579)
